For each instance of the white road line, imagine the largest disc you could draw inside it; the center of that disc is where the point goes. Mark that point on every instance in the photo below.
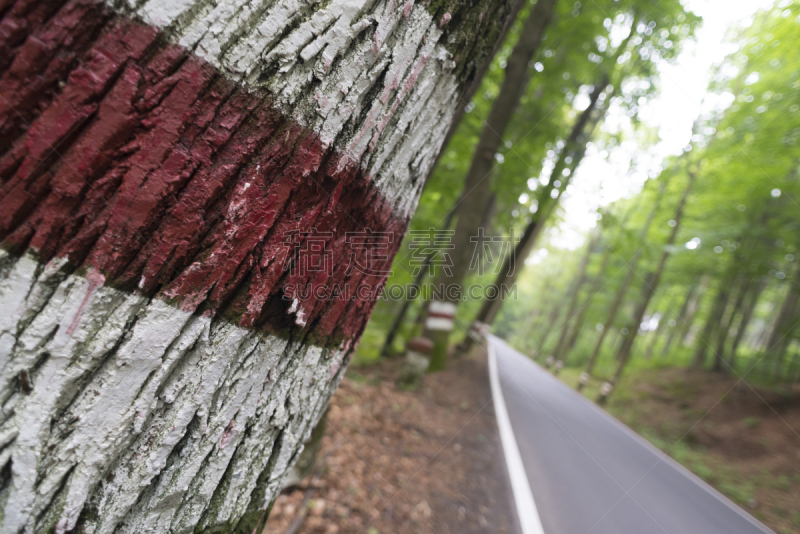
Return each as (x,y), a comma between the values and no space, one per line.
(523,497)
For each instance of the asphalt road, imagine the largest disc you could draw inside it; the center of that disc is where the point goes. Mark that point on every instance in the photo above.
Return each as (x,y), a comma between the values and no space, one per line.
(590,474)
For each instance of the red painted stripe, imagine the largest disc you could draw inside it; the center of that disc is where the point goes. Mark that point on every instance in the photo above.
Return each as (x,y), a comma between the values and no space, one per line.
(130,156)
(441,315)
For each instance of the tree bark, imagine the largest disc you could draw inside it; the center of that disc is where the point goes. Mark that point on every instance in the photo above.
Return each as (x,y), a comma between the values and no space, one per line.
(477,185)
(161,360)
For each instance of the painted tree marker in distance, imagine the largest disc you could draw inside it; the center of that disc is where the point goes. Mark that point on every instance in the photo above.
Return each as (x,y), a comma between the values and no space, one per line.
(441,316)
(166,169)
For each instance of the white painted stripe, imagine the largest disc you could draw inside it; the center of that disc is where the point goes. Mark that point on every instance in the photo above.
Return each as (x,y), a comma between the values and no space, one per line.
(136,392)
(437,306)
(439,323)
(523,497)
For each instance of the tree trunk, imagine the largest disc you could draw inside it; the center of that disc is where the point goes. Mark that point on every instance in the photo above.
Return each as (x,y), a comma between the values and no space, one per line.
(488,215)
(712,323)
(574,147)
(741,288)
(552,319)
(785,325)
(577,324)
(747,314)
(599,278)
(546,302)
(627,344)
(574,297)
(691,314)
(681,318)
(167,174)
(510,269)
(477,185)
(659,329)
(623,288)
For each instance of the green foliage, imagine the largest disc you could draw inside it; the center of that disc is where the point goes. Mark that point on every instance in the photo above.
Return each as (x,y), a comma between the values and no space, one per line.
(585,42)
(740,226)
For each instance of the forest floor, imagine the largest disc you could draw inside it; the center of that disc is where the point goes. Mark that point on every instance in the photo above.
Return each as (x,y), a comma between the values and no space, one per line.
(397,462)
(743,439)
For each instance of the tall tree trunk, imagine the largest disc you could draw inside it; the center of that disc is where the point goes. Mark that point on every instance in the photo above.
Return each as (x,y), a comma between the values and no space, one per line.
(712,323)
(623,288)
(747,314)
(600,277)
(723,328)
(681,318)
(659,329)
(552,319)
(575,148)
(465,232)
(741,290)
(627,344)
(691,314)
(173,178)
(574,297)
(488,214)
(785,326)
(547,302)
(477,185)
(577,323)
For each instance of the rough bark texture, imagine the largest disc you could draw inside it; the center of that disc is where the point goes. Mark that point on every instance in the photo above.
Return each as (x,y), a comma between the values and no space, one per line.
(160,366)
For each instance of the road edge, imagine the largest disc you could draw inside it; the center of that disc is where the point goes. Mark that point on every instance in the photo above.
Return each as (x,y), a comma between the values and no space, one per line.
(527,512)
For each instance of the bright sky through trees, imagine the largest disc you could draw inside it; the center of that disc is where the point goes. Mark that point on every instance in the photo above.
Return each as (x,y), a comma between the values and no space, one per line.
(605,177)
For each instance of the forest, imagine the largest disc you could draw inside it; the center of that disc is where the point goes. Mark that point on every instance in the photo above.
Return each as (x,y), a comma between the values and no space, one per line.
(369,266)
(696,267)
(683,262)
